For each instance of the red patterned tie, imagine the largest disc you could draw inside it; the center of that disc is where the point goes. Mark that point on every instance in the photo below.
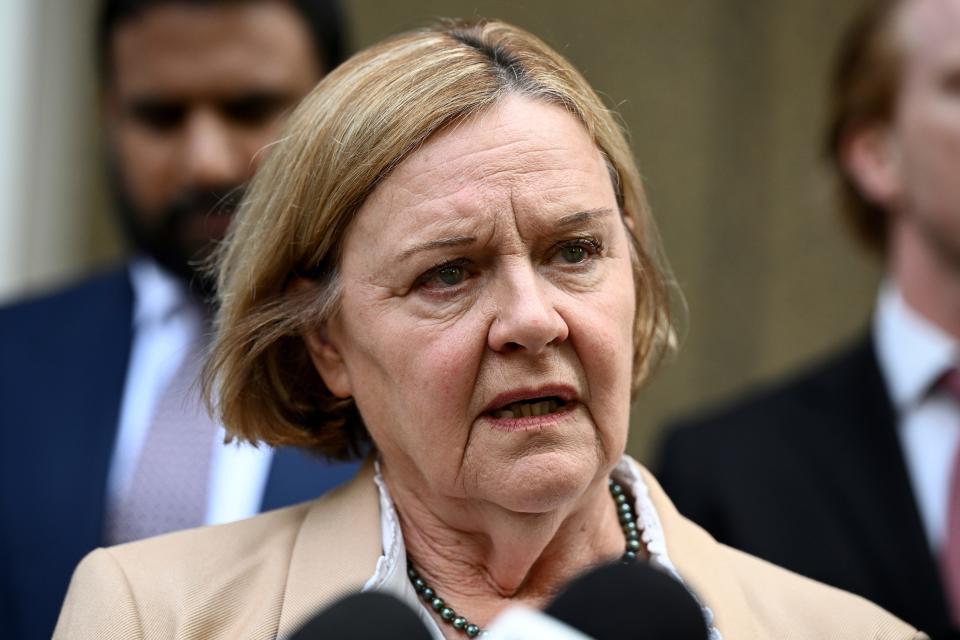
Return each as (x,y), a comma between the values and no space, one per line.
(950,556)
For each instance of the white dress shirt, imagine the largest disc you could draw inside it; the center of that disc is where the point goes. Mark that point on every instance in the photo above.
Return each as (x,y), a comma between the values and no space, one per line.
(913,354)
(166,321)
(390,573)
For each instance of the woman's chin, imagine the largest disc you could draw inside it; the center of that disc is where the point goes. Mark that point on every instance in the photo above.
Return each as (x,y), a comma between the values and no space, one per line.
(541,482)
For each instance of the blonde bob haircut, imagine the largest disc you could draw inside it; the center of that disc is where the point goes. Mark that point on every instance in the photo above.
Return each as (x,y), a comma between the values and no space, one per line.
(358,124)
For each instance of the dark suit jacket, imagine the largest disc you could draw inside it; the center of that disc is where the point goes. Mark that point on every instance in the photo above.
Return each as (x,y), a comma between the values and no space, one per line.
(63,361)
(809,475)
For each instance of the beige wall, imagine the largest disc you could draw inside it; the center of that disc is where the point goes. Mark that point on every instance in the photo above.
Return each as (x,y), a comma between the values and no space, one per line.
(51,201)
(724,100)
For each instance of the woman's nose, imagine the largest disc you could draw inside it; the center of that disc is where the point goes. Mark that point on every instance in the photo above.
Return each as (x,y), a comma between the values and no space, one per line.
(526,319)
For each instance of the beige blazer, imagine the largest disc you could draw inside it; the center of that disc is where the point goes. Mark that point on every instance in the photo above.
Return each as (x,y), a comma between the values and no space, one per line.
(263,577)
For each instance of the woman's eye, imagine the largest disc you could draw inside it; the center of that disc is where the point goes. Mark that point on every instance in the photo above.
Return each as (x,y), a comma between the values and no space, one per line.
(444,276)
(451,275)
(573,253)
(578,251)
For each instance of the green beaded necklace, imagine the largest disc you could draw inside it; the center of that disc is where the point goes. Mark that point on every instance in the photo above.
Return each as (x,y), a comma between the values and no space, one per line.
(628,523)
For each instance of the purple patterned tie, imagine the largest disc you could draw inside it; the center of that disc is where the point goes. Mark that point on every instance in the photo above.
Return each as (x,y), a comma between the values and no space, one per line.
(950,556)
(169,487)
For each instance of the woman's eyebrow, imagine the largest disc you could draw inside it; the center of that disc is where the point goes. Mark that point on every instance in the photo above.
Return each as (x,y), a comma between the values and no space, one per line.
(570,220)
(575,219)
(442,243)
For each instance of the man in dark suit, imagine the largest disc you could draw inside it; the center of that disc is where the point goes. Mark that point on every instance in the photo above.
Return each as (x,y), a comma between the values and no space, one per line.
(96,379)
(848,472)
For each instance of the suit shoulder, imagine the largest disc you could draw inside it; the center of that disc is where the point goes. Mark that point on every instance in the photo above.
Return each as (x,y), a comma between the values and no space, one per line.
(785,604)
(781,404)
(184,556)
(88,295)
(47,341)
(215,579)
(102,587)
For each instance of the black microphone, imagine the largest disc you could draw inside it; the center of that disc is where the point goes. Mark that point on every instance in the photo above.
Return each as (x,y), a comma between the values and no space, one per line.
(364,616)
(629,600)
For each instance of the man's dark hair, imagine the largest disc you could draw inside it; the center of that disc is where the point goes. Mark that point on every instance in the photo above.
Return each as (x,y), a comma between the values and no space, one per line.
(324,19)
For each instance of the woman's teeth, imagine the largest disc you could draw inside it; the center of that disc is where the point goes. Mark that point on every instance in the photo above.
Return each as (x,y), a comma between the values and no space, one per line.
(525,409)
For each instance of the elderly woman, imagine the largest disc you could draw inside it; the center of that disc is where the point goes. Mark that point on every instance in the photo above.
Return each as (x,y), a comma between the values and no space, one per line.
(447,261)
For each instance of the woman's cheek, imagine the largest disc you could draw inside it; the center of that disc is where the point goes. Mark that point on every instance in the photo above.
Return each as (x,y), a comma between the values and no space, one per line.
(448,362)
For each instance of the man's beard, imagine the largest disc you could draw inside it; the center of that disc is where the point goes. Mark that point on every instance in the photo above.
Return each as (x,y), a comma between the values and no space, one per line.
(166,236)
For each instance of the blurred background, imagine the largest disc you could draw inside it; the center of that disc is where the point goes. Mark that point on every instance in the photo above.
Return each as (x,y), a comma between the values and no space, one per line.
(724,101)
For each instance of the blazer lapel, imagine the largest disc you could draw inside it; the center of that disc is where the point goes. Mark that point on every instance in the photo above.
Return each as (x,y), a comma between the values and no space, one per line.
(79,396)
(695,555)
(336,551)
(866,472)
(99,389)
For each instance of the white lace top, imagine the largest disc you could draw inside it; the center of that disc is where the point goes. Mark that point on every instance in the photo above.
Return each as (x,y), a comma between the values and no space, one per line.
(390,574)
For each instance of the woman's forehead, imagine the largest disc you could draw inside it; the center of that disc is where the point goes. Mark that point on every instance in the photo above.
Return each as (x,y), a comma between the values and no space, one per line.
(522,155)
(516,135)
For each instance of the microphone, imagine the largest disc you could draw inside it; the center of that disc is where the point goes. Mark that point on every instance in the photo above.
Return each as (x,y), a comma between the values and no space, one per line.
(364,616)
(622,601)
(519,622)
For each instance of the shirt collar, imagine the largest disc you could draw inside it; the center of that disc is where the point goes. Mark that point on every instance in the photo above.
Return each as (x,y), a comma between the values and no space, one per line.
(158,295)
(912,352)
(390,575)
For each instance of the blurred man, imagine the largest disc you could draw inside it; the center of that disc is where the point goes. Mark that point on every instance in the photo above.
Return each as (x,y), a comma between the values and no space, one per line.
(104,437)
(849,472)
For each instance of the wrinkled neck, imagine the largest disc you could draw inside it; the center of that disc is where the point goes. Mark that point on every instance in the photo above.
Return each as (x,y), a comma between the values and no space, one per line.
(480,557)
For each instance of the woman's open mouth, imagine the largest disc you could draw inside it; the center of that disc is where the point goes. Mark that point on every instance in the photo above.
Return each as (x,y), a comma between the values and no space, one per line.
(532,407)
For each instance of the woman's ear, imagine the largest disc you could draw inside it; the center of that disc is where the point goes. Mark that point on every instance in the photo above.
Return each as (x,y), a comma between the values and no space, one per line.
(324,351)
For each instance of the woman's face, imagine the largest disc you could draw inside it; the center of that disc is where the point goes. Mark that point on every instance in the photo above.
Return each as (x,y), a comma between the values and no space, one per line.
(487,308)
